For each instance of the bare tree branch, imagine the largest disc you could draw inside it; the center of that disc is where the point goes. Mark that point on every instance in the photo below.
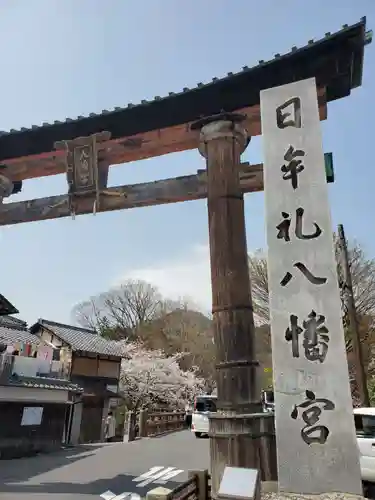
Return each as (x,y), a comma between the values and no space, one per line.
(259,286)
(120,311)
(363,278)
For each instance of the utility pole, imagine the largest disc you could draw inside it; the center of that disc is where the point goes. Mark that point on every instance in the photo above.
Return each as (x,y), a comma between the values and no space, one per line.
(346,287)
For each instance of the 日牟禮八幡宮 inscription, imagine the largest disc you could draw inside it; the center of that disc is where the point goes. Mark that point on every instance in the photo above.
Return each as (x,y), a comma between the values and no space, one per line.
(316,443)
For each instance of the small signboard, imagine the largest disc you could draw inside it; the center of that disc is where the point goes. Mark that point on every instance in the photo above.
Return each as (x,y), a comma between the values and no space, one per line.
(239,483)
(32,415)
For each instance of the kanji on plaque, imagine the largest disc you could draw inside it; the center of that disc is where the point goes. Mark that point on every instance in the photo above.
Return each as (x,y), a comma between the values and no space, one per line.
(315,337)
(312,408)
(289,113)
(284,227)
(293,165)
(315,280)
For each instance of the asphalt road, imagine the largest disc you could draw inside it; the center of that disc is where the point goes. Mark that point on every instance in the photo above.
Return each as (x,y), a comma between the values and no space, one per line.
(86,472)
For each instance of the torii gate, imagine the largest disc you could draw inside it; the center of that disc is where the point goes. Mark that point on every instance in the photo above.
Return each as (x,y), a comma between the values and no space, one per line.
(194,119)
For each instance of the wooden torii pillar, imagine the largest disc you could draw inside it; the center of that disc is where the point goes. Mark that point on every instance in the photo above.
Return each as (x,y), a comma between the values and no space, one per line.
(236,430)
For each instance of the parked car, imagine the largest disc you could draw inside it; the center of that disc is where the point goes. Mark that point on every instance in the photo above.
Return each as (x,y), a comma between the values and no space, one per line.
(203,405)
(364,419)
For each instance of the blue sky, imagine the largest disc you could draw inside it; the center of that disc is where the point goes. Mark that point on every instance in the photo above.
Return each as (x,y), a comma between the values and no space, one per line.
(64,58)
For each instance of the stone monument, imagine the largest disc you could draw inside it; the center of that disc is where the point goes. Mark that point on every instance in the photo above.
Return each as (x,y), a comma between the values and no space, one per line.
(316,443)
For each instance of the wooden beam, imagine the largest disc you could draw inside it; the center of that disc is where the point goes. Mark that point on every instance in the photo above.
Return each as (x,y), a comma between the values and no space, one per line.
(138,147)
(190,187)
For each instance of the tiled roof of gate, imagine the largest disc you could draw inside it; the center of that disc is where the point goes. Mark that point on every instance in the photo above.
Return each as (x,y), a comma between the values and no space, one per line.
(82,339)
(337,59)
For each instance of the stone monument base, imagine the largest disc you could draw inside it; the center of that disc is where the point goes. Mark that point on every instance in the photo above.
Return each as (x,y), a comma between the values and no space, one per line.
(269,491)
(299,496)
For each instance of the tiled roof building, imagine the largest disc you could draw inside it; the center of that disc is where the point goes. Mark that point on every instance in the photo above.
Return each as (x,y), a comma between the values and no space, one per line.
(80,339)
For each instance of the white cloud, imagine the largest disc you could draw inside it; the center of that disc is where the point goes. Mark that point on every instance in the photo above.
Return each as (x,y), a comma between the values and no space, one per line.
(187,276)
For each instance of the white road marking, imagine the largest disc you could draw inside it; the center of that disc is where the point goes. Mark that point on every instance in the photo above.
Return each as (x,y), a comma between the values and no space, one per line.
(152,471)
(169,476)
(108,495)
(157,474)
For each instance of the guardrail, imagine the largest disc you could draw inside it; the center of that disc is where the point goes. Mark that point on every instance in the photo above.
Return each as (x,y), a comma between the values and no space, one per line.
(145,424)
(160,423)
(185,491)
(195,488)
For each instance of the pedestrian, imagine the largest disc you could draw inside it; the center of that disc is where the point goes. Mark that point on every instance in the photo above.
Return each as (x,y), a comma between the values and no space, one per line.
(188,416)
(110,427)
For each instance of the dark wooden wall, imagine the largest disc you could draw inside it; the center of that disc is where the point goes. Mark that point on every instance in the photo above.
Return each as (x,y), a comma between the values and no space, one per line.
(95,366)
(17,441)
(91,424)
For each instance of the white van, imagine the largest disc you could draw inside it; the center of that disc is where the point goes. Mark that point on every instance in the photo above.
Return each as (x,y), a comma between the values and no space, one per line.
(364,419)
(203,405)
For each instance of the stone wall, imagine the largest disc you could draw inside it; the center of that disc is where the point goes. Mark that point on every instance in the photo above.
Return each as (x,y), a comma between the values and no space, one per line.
(17,440)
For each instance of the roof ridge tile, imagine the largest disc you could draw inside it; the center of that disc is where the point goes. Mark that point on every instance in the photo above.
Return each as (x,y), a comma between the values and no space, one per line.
(66,325)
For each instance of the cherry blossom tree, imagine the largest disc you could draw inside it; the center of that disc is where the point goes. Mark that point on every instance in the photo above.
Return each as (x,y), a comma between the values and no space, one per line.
(150,378)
